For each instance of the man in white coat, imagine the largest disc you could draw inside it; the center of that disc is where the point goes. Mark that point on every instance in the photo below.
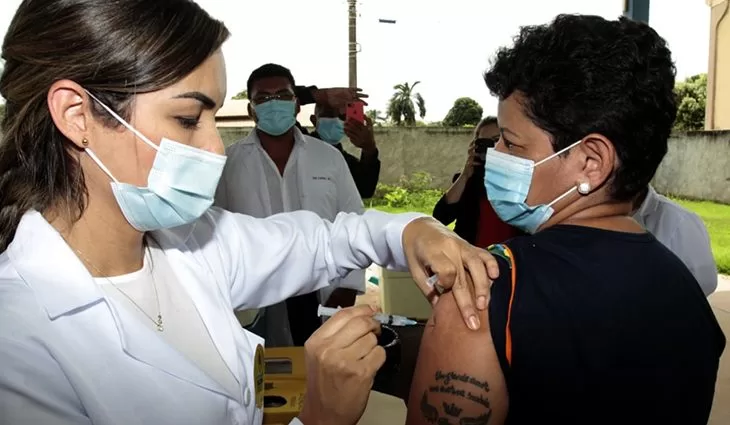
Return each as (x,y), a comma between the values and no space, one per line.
(278,169)
(680,230)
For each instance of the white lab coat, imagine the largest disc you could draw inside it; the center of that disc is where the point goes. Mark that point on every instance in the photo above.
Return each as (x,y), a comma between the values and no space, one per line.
(316,178)
(67,356)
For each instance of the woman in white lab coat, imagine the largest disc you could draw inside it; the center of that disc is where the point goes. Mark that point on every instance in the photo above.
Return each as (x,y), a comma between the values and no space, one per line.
(117,280)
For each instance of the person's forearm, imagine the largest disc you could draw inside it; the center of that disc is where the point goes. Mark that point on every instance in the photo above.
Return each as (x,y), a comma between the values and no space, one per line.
(305,95)
(369,155)
(330,250)
(456,190)
(444,212)
(367,176)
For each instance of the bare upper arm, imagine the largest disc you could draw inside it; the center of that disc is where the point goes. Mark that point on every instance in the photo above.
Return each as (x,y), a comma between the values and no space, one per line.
(458,379)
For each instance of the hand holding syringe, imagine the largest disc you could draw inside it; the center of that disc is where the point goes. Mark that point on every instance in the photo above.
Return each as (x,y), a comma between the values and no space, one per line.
(385,319)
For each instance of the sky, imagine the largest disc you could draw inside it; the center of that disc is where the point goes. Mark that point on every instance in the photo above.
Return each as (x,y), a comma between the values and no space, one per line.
(445,48)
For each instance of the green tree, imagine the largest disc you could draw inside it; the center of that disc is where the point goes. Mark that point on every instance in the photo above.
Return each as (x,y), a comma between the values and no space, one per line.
(241,95)
(376,116)
(466,111)
(691,99)
(401,109)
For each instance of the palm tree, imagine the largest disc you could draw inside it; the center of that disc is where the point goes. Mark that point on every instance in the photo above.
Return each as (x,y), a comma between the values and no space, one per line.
(375,116)
(401,109)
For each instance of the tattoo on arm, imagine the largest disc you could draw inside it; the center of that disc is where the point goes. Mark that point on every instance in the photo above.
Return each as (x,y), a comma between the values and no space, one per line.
(462,389)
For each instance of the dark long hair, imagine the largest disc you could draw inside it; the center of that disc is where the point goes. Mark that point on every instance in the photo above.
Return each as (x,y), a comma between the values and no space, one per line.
(114,49)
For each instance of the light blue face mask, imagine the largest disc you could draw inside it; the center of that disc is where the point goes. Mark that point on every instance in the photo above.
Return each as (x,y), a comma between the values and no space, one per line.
(507,180)
(180,187)
(276,117)
(331,130)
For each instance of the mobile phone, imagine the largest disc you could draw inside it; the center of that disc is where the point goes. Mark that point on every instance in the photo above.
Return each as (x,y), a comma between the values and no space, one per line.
(480,147)
(356,111)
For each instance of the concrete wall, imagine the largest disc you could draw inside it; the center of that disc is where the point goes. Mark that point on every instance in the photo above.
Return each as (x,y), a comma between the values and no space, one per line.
(697,165)
(441,152)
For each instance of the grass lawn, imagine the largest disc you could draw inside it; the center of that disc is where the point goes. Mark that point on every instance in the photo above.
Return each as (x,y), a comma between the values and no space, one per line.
(717,220)
(715,216)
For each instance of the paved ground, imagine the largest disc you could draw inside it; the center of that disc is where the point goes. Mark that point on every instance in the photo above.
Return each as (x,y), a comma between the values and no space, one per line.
(720,302)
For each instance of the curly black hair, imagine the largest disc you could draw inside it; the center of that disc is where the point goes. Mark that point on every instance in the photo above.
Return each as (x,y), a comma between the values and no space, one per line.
(584,74)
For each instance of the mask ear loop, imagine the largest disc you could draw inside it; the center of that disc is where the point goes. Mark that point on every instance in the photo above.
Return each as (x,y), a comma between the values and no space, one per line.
(96,159)
(123,122)
(556,200)
(569,191)
(559,152)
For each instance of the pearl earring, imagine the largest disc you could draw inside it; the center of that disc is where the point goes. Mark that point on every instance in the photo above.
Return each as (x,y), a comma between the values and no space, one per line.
(584,188)
(85,141)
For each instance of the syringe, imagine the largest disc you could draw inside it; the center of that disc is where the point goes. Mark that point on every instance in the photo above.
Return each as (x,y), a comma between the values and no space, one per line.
(385,319)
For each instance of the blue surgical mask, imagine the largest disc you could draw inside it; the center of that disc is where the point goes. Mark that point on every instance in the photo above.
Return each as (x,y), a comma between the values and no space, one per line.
(276,117)
(331,130)
(507,180)
(180,187)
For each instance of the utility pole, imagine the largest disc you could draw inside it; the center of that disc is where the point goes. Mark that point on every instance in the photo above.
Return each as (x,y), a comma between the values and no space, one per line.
(352,43)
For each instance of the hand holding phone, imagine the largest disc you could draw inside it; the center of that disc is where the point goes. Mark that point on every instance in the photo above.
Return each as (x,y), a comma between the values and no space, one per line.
(355,111)
(480,147)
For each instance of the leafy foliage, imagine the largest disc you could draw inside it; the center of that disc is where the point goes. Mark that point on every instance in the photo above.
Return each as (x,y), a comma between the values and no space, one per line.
(241,95)
(376,116)
(466,111)
(691,100)
(401,108)
(413,192)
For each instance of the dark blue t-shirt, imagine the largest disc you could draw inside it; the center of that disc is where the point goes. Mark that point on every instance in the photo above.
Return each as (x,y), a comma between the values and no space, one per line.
(607,328)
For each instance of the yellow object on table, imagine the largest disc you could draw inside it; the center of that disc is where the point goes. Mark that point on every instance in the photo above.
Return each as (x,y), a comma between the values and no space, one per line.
(285,384)
(284,363)
(283,400)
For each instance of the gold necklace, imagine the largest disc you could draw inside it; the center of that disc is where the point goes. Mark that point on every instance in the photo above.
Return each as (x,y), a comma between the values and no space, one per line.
(158,323)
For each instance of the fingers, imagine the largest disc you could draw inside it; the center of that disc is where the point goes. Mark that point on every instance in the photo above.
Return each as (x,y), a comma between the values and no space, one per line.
(353,321)
(355,125)
(491,263)
(479,276)
(445,271)
(356,328)
(362,347)
(359,95)
(374,360)
(464,297)
(420,276)
(349,132)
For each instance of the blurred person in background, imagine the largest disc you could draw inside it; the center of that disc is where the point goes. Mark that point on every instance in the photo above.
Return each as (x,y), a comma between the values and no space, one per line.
(466,200)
